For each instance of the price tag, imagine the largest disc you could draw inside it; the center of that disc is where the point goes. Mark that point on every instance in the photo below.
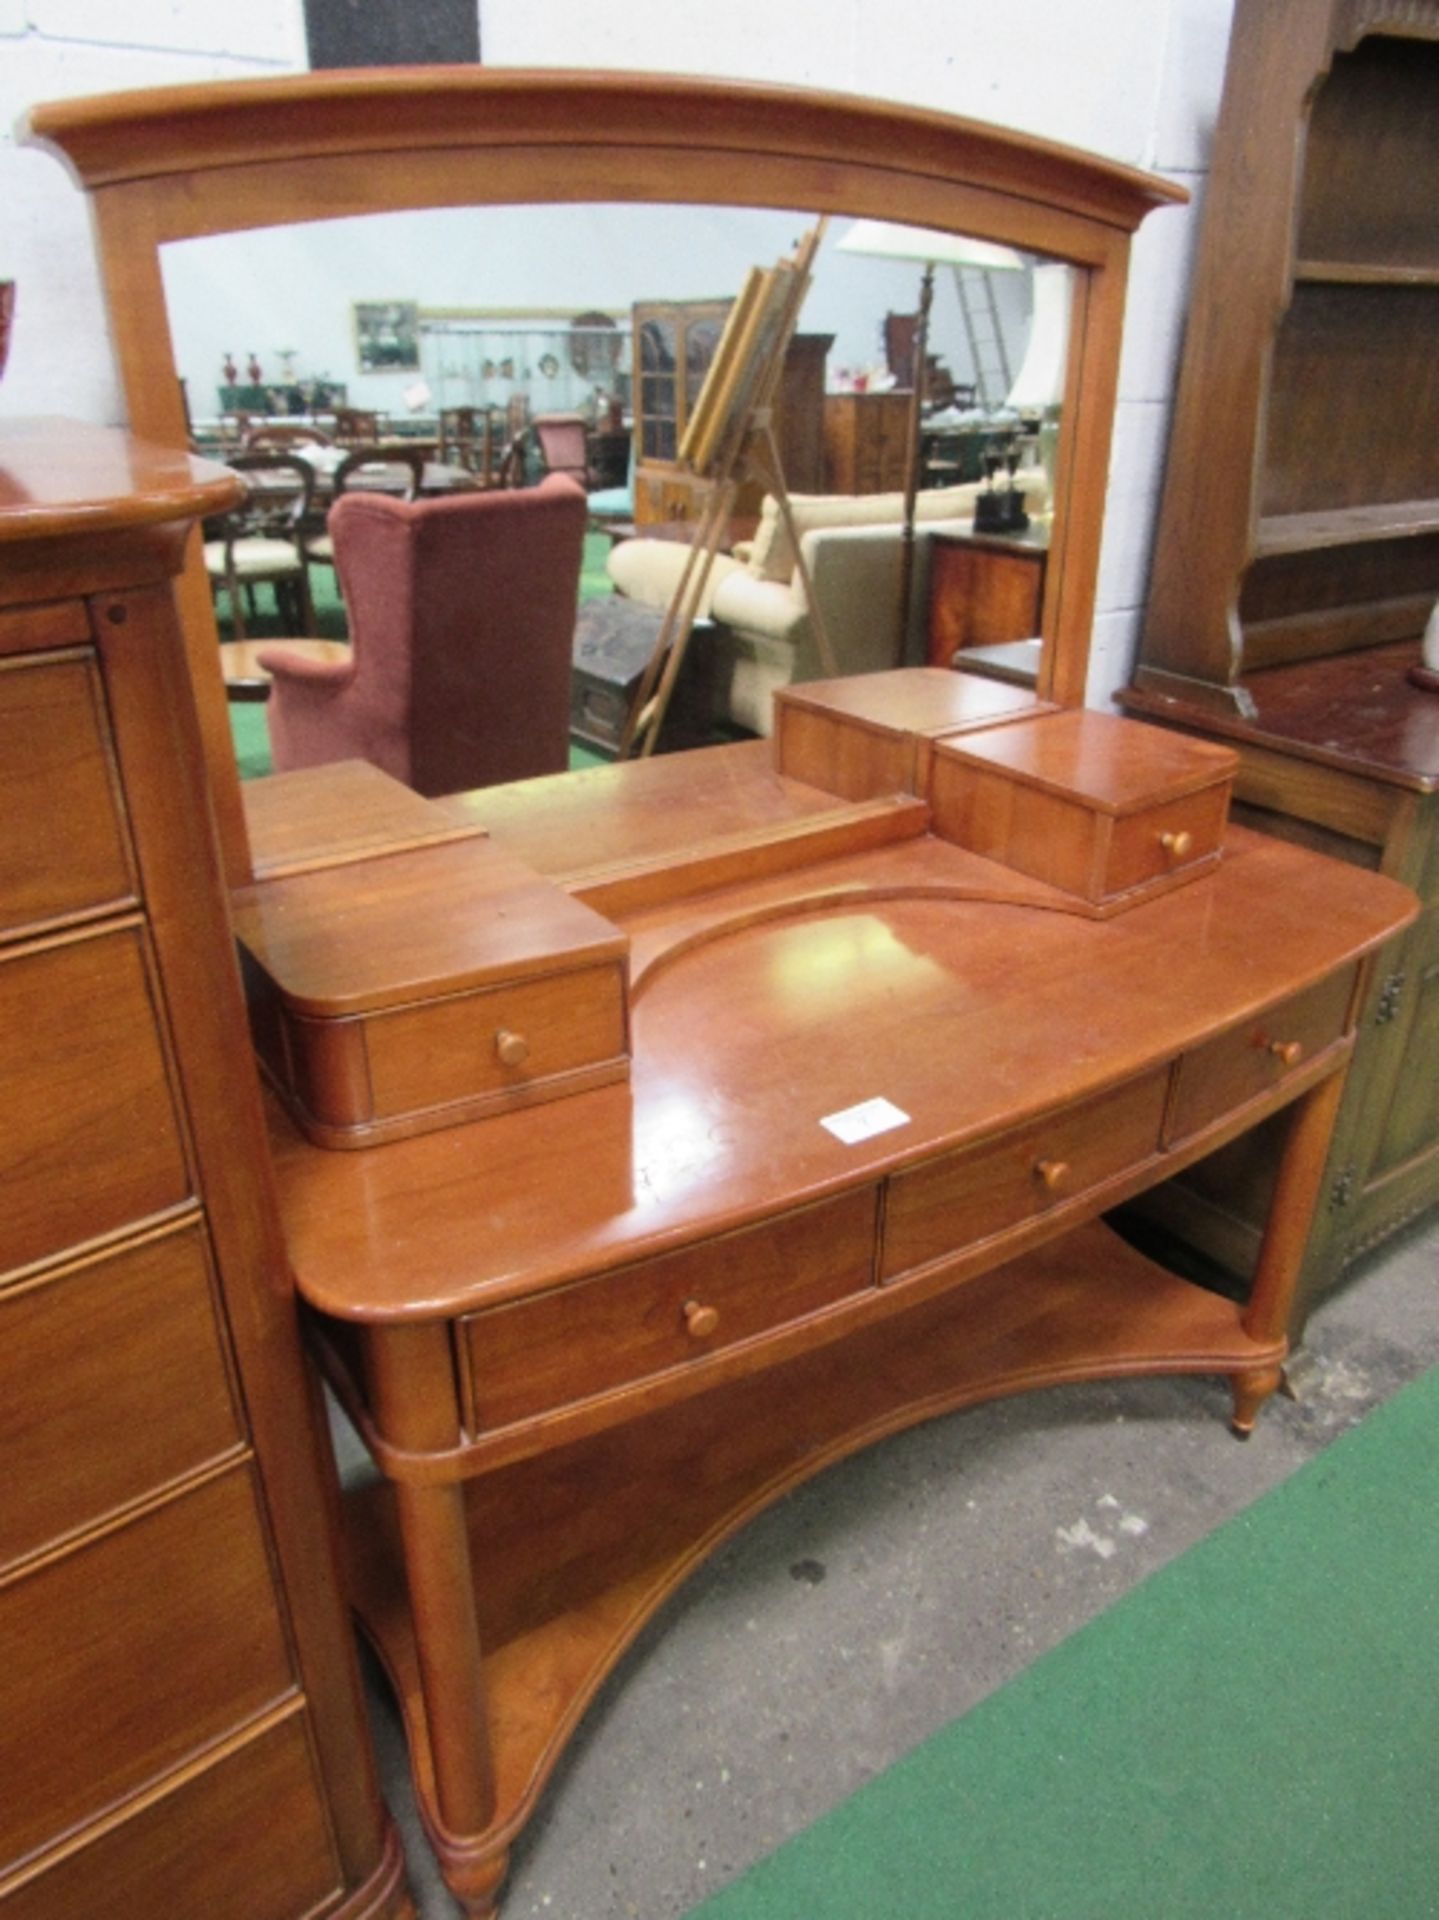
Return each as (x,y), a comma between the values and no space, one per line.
(870,1117)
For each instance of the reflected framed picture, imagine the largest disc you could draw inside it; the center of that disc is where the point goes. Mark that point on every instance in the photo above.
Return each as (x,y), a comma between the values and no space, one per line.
(387,336)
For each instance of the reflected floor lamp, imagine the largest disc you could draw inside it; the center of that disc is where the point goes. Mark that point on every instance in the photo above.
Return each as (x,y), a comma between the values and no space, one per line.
(884,239)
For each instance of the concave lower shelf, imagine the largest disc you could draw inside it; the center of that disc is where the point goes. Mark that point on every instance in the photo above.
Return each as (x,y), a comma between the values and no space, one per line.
(575,1550)
(1345,526)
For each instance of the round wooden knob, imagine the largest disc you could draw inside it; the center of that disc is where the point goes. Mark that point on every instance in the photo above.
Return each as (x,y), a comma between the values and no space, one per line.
(1287,1052)
(700,1321)
(1051,1174)
(1176,845)
(511,1049)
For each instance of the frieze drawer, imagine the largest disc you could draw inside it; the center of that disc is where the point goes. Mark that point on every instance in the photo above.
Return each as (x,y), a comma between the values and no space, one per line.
(72,856)
(148,1642)
(942,1206)
(91,1141)
(555,1348)
(148,1367)
(1256,1058)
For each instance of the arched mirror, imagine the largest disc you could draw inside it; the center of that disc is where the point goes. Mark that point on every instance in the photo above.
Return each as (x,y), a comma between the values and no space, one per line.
(425,240)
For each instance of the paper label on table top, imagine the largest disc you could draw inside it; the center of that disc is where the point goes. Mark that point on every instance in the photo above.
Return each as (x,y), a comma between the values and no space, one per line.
(870,1117)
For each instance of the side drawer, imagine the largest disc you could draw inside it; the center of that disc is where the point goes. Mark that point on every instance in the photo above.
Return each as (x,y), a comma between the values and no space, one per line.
(91,1140)
(942,1206)
(131,1653)
(112,1384)
(559,1347)
(1254,1059)
(65,852)
(243,1838)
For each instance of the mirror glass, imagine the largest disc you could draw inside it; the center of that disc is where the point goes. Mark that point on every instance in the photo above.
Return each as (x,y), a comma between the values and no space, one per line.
(612,312)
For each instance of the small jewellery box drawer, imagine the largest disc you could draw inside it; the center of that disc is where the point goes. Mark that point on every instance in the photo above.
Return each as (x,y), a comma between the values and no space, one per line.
(70,856)
(939,1208)
(419,989)
(1253,1059)
(555,1348)
(91,1140)
(873,734)
(1109,810)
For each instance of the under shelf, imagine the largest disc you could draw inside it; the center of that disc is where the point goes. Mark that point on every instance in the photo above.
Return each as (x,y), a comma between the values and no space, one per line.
(1345,526)
(574,1550)
(1365,273)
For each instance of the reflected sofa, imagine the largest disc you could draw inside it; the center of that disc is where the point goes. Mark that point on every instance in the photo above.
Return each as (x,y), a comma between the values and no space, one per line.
(763,635)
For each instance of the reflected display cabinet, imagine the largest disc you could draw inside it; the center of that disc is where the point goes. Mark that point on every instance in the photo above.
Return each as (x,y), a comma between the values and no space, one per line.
(674,343)
(1297,549)
(181,1729)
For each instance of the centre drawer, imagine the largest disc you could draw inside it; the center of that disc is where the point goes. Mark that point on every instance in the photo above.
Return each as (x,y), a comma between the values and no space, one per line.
(1254,1059)
(555,1348)
(942,1206)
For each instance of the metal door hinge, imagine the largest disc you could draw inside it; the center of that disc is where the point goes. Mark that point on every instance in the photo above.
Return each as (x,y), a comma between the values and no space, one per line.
(1390,994)
(1342,1192)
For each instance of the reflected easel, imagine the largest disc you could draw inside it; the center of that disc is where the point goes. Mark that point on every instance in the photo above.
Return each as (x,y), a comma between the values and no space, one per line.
(730,441)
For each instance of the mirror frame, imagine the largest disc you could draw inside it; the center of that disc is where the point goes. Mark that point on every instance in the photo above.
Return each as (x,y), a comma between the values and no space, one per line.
(176,163)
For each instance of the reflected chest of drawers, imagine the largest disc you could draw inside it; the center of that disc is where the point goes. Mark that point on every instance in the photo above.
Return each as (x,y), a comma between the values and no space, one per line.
(180,1727)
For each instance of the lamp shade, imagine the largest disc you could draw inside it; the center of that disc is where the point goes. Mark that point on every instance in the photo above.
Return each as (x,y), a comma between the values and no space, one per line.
(890,241)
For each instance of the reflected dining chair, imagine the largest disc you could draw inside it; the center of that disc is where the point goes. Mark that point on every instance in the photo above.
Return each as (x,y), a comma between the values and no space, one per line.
(462,618)
(389,468)
(261,540)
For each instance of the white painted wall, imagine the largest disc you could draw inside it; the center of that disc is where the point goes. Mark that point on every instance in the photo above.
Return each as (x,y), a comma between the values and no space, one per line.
(1137,80)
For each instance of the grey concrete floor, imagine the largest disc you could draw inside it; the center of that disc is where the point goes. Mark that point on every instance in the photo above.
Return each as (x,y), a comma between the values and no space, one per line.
(887,1597)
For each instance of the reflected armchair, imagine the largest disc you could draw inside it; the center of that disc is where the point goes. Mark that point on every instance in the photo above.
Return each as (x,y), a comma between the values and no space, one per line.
(462,618)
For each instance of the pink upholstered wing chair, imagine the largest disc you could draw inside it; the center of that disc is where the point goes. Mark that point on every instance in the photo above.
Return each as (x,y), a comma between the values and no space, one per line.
(462,619)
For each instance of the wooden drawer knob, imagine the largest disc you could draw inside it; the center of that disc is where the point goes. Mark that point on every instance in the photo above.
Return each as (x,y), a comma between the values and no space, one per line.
(511,1048)
(1051,1174)
(700,1321)
(1177,845)
(1287,1052)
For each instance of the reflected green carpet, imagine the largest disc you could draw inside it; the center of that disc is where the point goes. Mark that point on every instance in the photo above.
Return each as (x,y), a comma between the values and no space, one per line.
(247,719)
(1252,1734)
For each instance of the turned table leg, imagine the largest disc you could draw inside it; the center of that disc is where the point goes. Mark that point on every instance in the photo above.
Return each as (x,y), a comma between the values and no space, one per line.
(1286,1230)
(412,1382)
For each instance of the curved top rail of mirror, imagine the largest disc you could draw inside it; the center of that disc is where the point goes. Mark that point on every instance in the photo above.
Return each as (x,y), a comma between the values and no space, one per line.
(185,131)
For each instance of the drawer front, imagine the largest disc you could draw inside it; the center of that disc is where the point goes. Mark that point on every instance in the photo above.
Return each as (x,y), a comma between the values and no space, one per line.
(64,847)
(91,1139)
(425,1056)
(1166,839)
(112,1385)
(245,1838)
(658,1314)
(937,1209)
(131,1653)
(1256,1058)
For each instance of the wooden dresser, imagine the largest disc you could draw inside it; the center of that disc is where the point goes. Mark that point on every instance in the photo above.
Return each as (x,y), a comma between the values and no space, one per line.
(1297,547)
(865,439)
(181,1732)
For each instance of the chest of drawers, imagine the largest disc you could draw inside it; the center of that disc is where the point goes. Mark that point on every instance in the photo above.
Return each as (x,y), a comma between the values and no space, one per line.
(180,1726)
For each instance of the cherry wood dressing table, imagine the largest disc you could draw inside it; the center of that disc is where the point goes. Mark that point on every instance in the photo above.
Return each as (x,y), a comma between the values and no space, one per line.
(586,1338)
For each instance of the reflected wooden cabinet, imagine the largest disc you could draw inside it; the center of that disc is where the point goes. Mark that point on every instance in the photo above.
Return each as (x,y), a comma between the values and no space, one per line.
(181,1731)
(674,344)
(866,436)
(1297,549)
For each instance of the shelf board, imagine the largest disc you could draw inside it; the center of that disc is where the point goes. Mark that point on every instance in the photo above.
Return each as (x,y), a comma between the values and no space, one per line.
(1345,526)
(1360,273)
